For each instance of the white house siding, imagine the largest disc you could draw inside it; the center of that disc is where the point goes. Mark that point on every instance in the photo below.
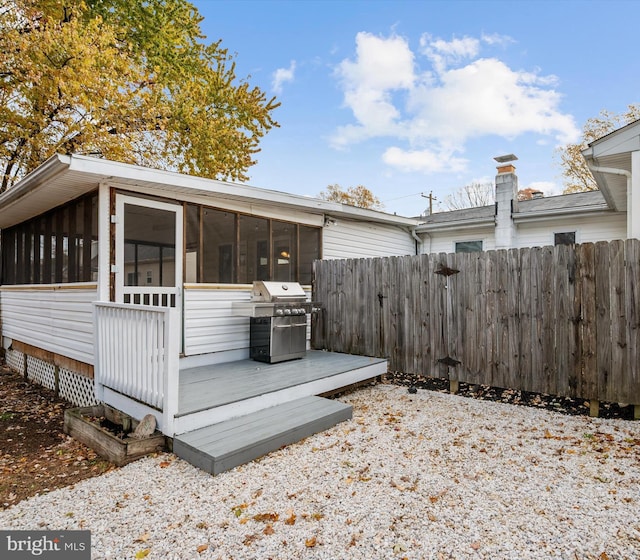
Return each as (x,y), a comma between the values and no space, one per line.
(445,242)
(209,324)
(588,230)
(353,240)
(55,318)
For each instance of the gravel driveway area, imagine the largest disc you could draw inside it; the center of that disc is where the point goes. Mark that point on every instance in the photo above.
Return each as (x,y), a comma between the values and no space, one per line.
(421,476)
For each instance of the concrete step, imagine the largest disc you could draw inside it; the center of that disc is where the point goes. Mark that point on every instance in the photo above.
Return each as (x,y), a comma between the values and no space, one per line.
(222,446)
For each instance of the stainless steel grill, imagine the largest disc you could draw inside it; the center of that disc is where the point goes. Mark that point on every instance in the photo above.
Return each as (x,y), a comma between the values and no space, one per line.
(278,321)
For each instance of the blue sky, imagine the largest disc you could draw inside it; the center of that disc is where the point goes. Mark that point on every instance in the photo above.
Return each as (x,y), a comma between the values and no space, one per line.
(412,96)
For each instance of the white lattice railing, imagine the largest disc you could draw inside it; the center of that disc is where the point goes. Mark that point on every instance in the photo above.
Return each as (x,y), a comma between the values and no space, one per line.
(137,352)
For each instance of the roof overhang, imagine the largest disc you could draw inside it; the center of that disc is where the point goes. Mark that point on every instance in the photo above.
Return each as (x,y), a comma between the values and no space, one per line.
(455,225)
(613,151)
(579,212)
(63,178)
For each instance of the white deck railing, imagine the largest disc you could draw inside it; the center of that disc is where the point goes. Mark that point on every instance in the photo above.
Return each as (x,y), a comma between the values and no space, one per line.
(137,353)
(156,296)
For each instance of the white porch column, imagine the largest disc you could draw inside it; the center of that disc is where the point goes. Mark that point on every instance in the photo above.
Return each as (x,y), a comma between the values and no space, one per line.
(104,242)
(633,198)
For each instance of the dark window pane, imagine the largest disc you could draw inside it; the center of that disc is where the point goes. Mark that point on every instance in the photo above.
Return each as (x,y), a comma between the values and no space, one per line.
(565,238)
(284,260)
(192,244)
(149,245)
(93,228)
(218,241)
(309,252)
(468,246)
(253,250)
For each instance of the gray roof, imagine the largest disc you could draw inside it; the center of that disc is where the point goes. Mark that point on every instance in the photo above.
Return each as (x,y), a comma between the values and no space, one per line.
(564,204)
(573,201)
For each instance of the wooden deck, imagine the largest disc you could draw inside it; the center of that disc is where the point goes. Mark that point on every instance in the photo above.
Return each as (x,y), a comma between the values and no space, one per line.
(225,445)
(229,414)
(215,393)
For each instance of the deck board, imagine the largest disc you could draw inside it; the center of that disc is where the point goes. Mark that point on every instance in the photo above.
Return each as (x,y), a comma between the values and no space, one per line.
(206,387)
(222,446)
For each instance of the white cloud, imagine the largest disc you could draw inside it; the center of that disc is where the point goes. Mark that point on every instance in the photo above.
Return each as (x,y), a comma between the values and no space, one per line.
(497,39)
(424,161)
(430,106)
(444,53)
(382,66)
(282,75)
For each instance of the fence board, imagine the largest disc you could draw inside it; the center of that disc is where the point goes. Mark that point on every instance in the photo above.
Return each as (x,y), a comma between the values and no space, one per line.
(632,383)
(619,341)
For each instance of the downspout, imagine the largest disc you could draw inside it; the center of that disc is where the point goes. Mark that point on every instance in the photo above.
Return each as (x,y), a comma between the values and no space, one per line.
(627,174)
(418,240)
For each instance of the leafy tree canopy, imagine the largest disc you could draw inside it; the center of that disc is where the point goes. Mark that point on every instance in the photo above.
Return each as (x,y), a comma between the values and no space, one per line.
(354,196)
(577,177)
(128,80)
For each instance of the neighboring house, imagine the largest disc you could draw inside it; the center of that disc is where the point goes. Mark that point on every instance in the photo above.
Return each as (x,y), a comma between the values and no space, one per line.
(83,238)
(613,212)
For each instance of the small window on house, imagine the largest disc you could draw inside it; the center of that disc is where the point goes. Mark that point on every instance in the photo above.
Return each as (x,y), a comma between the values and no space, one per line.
(468,246)
(565,238)
(149,277)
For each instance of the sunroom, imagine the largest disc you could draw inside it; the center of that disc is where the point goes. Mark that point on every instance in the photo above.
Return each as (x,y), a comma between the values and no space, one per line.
(118,285)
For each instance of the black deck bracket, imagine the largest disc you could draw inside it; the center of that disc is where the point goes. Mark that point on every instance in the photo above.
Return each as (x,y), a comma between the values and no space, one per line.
(444,270)
(449,361)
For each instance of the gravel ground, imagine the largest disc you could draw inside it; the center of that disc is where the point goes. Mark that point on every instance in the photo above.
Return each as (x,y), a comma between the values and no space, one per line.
(421,476)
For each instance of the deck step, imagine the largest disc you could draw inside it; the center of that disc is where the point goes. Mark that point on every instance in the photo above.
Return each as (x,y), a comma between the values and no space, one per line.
(220,447)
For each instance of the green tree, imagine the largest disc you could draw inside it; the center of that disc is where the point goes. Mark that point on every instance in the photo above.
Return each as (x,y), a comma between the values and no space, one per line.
(130,81)
(577,176)
(354,196)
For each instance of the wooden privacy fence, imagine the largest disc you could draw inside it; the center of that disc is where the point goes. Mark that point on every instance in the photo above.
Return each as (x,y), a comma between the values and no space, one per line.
(560,320)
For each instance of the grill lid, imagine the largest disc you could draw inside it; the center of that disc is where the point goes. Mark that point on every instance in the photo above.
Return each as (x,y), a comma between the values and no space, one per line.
(277,292)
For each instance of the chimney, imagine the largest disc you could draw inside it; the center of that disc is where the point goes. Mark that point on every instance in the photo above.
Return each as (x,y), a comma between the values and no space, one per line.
(506,202)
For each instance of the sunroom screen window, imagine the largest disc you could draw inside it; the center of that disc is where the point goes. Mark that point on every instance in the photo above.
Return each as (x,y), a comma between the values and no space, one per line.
(57,247)
(229,247)
(218,243)
(254,250)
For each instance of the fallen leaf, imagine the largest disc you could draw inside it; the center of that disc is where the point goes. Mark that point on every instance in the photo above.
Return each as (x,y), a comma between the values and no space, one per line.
(202,548)
(164,464)
(399,547)
(604,556)
(310,543)
(291,520)
(143,538)
(268,530)
(143,553)
(266,517)
(432,517)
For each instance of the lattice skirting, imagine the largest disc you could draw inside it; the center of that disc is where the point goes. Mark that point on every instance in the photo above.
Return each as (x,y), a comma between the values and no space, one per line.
(69,385)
